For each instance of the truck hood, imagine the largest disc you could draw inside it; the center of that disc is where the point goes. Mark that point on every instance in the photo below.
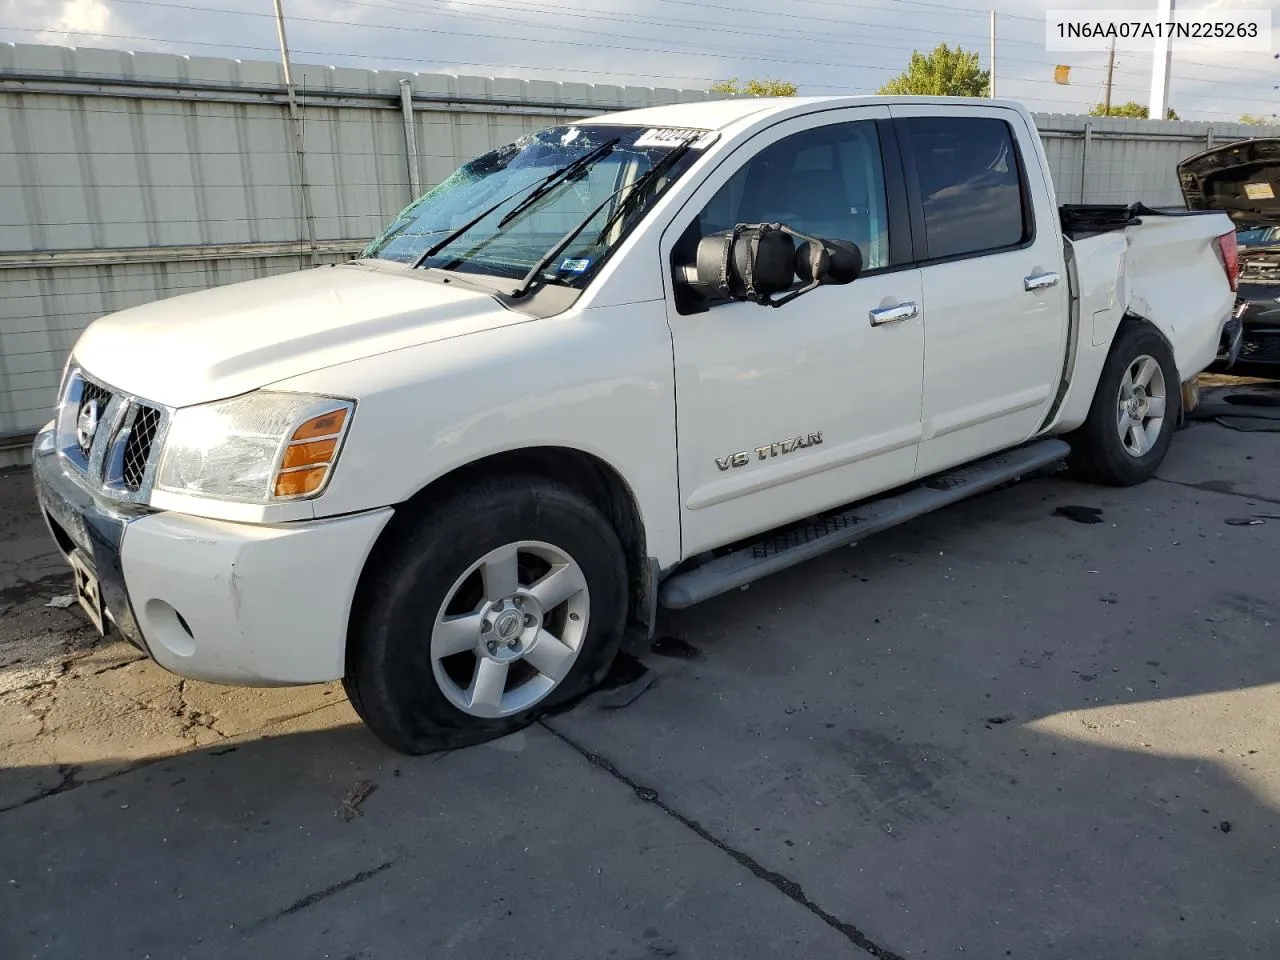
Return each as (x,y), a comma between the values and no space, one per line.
(228,340)
(1240,179)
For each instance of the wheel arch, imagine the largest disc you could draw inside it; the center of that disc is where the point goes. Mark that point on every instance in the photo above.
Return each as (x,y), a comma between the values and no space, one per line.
(592,477)
(1132,317)
(1072,408)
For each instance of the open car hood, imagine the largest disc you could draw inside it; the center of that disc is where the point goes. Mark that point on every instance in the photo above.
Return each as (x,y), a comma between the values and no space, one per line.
(1240,179)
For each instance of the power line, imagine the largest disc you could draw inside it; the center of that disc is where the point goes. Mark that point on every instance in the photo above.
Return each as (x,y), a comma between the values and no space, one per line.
(699,48)
(771,32)
(645,19)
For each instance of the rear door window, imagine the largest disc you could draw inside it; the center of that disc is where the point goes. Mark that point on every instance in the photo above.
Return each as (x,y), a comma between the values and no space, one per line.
(965,178)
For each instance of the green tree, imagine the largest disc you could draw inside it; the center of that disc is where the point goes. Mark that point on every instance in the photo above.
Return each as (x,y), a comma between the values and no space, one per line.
(755,87)
(1137,111)
(943,73)
(1257,121)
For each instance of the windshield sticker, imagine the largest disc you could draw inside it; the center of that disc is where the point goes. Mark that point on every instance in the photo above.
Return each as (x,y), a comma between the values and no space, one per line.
(658,137)
(575,266)
(1259,191)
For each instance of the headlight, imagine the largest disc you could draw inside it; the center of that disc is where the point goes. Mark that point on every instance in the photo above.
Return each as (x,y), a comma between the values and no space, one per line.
(259,448)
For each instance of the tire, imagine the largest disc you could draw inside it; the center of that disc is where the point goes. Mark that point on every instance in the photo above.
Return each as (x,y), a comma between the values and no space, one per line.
(1138,373)
(449,644)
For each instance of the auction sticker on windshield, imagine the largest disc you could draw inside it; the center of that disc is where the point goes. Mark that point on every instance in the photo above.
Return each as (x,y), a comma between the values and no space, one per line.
(658,137)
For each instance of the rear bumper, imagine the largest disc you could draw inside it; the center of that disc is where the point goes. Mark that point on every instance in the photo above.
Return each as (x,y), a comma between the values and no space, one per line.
(241,604)
(1229,345)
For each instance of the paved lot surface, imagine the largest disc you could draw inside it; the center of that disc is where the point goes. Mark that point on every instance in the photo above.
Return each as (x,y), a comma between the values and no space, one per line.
(995,732)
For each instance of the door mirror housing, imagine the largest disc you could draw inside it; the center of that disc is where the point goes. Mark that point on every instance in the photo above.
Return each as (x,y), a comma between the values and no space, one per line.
(758,261)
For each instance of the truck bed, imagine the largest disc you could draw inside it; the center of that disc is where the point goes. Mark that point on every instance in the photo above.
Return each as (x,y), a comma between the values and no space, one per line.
(1080,220)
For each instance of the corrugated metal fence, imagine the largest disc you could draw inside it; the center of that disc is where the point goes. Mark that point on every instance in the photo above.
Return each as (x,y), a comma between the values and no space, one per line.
(129,177)
(1116,160)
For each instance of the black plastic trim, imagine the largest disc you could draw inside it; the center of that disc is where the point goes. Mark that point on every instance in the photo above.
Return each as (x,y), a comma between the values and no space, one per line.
(901,234)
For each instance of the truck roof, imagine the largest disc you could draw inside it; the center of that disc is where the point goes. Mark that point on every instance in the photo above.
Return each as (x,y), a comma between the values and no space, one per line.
(719,114)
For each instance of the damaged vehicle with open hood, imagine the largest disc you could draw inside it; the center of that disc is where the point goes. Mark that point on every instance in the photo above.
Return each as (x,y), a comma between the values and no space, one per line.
(1242,180)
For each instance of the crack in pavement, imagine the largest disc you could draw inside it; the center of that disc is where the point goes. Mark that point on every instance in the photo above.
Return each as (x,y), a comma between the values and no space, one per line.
(118,666)
(783,884)
(227,744)
(1211,486)
(311,899)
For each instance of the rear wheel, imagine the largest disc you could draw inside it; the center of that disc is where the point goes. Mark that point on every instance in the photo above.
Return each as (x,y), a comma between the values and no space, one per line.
(504,601)
(1134,413)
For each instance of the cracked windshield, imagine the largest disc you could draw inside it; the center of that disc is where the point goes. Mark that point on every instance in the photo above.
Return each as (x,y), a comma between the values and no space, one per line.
(571,191)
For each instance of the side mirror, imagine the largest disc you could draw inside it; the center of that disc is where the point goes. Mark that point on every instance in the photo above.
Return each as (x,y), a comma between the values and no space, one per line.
(756,262)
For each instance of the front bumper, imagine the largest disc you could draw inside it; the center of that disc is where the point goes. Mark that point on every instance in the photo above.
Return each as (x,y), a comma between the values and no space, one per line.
(1257,330)
(78,521)
(1260,345)
(242,604)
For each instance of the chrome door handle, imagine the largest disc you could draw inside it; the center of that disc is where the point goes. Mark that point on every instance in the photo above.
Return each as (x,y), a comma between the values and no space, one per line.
(903,311)
(1040,281)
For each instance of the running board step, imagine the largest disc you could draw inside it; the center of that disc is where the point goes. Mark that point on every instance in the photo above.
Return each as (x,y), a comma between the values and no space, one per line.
(815,537)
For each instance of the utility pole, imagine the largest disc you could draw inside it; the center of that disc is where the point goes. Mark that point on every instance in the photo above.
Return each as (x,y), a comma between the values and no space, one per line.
(309,224)
(993,54)
(1161,61)
(1111,67)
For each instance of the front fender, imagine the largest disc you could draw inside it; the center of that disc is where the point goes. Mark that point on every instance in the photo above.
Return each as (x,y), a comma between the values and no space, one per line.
(598,381)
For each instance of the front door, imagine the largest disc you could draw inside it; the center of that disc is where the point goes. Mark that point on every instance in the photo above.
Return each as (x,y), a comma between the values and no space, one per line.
(784,412)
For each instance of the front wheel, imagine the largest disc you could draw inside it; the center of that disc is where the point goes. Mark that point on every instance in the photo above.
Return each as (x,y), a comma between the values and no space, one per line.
(1134,412)
(503,601)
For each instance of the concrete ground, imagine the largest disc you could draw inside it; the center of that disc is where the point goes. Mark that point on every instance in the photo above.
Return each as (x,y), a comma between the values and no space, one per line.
(995,732)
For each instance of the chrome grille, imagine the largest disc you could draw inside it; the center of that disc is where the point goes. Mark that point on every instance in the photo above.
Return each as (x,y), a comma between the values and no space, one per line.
(137,448)
(111,446)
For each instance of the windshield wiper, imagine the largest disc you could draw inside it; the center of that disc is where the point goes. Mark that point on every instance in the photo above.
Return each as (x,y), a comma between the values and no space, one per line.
(454,235)
(637,187)
(526,284)
(539,189)
(567,172)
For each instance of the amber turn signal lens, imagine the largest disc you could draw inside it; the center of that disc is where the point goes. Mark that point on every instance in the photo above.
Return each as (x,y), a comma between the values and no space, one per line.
(317,452)
(325,425)
(298,482)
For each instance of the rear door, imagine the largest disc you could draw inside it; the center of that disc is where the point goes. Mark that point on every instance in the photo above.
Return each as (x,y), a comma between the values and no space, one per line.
(996,300)
(784,412)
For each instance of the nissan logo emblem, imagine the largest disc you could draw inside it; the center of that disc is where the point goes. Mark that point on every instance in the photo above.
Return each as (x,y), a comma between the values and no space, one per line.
(87,424)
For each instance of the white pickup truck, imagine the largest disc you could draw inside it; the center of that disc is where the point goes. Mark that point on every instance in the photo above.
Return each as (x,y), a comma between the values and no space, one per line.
(627,363)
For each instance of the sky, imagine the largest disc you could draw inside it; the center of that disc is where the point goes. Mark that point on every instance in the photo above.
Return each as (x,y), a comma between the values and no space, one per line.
(824,46)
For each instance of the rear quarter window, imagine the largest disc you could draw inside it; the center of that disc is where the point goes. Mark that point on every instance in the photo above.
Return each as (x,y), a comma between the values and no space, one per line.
(968,177)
